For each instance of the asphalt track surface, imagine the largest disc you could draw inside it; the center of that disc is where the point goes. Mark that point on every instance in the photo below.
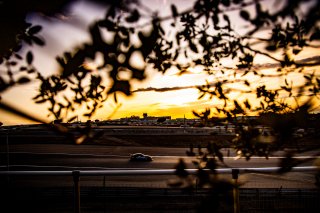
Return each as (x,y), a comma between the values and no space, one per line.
(55,157)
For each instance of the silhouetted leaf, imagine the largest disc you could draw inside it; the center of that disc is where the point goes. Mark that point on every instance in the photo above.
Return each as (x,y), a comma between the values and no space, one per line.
(247,104)
(315,35)
(121,86)
(13,63)
(195,114)
(29,57)
(35,29)
(135,15)
(72,118)
(271,48)
(181,169)
(138,74)
(226,2)
(245,15)
(23,68)
(193,47)
(296,51)
(18,56)
(23,80)
(174,11)
(32,70)
(38,40)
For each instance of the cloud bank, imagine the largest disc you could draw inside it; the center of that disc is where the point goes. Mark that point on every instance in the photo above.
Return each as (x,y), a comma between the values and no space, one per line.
(164,89)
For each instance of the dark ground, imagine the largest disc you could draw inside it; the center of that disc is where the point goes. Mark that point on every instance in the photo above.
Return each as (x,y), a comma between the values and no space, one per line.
(99,199)
(142,200)
(47,136)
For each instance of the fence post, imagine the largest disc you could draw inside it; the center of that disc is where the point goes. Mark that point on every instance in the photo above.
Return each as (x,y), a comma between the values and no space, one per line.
(236,203)
(76,182)
(104,194)
(8,157)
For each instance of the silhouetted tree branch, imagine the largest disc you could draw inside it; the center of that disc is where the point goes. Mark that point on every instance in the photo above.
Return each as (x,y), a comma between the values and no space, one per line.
(206,35)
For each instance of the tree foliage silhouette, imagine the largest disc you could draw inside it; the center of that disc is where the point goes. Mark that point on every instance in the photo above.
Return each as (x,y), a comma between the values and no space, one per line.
(203,36)
(207,36)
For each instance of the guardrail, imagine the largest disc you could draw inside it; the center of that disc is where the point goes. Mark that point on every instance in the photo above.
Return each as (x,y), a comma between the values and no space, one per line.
(77,173)
(120,172)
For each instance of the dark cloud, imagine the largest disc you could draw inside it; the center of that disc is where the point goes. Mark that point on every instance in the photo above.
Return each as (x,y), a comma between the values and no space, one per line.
(164,89)
(314,59)
(310,60)
(168,89)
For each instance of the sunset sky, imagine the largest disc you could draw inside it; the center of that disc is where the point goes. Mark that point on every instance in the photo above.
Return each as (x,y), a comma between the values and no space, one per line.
(169,94)
(66,33)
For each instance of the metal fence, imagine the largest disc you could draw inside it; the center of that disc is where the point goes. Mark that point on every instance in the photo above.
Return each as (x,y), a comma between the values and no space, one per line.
(244,200)
(280,200)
